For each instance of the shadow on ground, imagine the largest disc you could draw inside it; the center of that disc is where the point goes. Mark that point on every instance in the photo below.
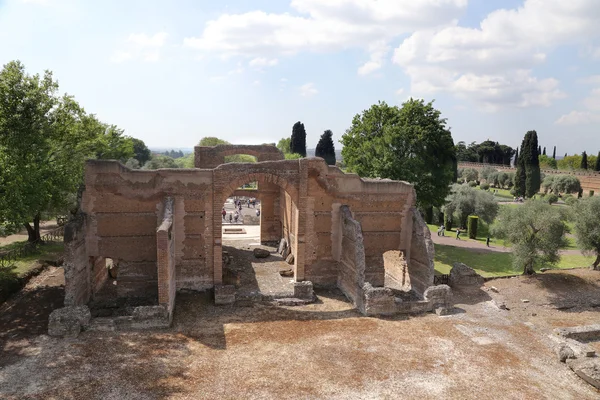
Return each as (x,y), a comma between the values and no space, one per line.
(568,292)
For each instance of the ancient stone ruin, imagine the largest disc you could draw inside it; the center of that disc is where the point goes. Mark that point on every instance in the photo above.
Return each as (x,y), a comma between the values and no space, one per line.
(162,230)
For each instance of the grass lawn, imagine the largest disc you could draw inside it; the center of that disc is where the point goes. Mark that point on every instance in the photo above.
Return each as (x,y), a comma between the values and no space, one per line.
(502,195)
(491,264)
(49,250)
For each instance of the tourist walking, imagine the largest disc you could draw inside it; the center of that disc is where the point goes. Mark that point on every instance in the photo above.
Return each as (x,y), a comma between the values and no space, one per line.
(223,213)
(458,232)
(487,241)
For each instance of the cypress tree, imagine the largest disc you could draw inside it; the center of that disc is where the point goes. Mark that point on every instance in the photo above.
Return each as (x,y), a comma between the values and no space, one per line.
(544,152)
(584,163)
(531,161)
(565,155)
(325,147)
(298,140)
(539,149)
(516,156)
(520,175)
(554,153)
(597,166)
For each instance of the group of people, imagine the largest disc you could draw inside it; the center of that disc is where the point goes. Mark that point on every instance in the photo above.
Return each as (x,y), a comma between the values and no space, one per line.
(237,214)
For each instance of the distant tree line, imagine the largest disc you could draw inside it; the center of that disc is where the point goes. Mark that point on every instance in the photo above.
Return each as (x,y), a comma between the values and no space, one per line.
(488,152)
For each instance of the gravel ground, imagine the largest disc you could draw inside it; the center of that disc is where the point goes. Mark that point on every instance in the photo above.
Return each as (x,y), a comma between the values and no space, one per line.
(322,350)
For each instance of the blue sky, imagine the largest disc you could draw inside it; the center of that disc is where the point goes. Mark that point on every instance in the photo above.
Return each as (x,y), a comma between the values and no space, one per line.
(172,72)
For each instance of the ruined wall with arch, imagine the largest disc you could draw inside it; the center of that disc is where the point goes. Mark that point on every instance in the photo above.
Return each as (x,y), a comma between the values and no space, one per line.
(301,201)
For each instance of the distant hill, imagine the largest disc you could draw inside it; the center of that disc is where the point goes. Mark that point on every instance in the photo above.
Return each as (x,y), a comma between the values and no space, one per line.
(185,150)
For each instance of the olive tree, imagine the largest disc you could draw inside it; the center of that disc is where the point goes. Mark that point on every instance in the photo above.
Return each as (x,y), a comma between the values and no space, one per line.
(587,227)
(465,200)
(566,184)
(536,231)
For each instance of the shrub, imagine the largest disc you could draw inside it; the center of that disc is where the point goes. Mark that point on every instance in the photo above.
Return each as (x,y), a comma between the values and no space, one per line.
(570,201)
(472,183)
(472,226)
(551,198)
(591,193)
(513,191)
(485,186)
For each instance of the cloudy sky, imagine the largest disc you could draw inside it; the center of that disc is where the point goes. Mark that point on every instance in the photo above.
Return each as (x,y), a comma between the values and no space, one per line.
(171,72)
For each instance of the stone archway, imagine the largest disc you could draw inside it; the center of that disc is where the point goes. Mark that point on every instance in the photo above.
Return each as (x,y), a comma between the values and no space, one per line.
(282,175)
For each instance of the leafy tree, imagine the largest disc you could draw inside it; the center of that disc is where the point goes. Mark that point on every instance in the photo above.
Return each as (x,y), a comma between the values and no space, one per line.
(566,184)
(547,162)
(485,152)
(44,141)
(470,175)
(554,153)
(211,141)
(298,139)
(570,162)
(409,143)
(293,156)
(284,145)
(486,172)
(548,183)
(597,164)
(325,148)
(536,231)
(160,161)
(187,161)
(141,152)
(587,227)
(551,198)
(133,163)
(464,200)
(584,161)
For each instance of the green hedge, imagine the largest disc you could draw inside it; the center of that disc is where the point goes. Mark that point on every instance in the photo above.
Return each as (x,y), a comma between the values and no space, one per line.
(472,226)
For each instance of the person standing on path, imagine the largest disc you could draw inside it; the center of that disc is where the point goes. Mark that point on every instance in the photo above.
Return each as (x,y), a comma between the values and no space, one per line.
(487,241)
(458,231)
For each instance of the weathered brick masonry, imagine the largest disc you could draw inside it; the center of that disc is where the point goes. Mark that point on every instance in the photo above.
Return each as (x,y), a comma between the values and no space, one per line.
(163,227)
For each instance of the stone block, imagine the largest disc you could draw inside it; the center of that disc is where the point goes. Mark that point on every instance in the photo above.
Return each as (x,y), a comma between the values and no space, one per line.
(224,294)
(261,253)
(464,277)
(282,246)
(439,296)
(378,300)
(304,290)
(69,321)
(587,369)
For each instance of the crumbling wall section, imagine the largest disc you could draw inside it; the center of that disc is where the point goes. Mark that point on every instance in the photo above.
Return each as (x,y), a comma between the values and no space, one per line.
(351,273)
(422,254)
(166,258)
(77,265)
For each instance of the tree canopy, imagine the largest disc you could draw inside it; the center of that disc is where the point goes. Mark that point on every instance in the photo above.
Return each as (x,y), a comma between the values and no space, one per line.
(298,139)
(325,147)
(44,140)
(536,231)
(465,200)
(587,226)
(408,143)
(488,152)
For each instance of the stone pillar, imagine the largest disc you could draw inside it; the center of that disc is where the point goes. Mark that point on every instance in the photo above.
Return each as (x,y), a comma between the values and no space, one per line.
(300,255)
(165,257)
(270,221)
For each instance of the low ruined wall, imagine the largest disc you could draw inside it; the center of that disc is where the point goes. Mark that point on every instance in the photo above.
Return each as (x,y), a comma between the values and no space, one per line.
(351,271)
(166,258)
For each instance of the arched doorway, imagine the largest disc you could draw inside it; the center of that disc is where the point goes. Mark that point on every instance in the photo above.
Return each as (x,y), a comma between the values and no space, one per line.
(279,207)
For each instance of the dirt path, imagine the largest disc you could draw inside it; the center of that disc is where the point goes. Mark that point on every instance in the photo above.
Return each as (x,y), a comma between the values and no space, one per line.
(322,350)
(45,227)
(464,242)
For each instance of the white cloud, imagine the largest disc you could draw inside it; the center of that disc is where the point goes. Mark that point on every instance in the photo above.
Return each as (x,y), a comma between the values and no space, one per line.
(308,90)
(590,80)
(261,62)
(492,65)
(578,118)
(400,92)
(141,46)
(322,26)
(143,40)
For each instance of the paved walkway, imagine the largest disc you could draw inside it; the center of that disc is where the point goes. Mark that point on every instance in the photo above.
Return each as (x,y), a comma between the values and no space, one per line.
(45,227)
(464,242)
